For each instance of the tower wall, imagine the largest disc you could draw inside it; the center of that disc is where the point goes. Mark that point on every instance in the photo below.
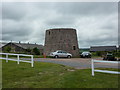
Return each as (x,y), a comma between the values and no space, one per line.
(61,39)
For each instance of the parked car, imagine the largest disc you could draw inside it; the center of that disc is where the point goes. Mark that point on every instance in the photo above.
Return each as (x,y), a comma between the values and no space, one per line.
(85,54)
(109,57)
(60,53)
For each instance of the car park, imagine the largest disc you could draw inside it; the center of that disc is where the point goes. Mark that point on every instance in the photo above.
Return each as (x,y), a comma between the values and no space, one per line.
(85,55)
(60,53)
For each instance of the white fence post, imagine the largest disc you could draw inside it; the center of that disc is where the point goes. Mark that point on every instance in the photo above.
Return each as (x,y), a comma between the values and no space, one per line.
(6,57)
(92,66)
(18,59)
(32,61)
(104,71)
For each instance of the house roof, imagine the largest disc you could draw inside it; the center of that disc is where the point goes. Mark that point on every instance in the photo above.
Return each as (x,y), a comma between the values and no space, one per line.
(103,48)
(31,46)
(28,45)
(2,44)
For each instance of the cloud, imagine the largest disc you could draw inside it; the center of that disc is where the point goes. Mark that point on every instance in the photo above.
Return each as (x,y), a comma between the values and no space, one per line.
(14,30)
(87,9)
(96,23)
(61,20)
(13,11)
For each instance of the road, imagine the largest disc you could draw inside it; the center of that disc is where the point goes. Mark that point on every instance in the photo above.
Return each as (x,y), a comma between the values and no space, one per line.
(78,63)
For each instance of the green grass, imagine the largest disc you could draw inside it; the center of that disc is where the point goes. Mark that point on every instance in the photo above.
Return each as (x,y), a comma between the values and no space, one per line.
(48,75)
(0,74)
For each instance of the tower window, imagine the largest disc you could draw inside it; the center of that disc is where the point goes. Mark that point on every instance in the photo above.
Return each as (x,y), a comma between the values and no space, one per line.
(49,32)
(74,48)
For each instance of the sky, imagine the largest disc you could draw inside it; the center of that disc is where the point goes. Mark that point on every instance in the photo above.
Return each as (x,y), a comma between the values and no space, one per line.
(96,22)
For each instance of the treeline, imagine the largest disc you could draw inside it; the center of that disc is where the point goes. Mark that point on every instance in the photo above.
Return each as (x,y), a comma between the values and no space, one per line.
(34,51)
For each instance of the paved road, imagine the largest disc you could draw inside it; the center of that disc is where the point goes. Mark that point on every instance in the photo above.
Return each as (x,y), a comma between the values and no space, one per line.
(78,63)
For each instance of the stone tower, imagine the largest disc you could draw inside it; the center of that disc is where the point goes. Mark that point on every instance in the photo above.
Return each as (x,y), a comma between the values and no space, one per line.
(61,39)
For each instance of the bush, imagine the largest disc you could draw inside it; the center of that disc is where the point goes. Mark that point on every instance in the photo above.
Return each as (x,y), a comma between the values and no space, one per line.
(36,51)
(98,53)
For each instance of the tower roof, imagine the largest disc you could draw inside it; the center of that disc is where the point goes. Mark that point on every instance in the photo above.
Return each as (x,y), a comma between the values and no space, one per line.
(62,29)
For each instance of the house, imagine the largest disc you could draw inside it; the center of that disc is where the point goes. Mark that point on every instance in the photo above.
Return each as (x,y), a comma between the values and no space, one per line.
(103,48)
(22,47)
(1,45)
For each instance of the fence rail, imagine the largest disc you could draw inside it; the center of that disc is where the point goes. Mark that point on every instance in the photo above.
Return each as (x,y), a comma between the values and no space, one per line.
(18,58)
(104,71)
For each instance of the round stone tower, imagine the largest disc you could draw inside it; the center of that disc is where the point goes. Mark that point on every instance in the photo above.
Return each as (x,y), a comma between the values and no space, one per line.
(61,39)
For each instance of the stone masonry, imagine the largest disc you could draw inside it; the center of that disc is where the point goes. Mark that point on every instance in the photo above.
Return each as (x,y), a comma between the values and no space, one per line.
(61,39)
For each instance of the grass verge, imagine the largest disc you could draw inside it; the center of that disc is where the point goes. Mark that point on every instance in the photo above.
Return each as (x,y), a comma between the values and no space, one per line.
(0,74)
(48,75)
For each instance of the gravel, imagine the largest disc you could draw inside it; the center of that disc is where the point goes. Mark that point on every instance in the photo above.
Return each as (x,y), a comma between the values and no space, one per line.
(78,63)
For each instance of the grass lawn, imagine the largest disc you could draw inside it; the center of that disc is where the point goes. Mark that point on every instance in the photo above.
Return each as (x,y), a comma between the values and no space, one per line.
(48,75)
(0,74)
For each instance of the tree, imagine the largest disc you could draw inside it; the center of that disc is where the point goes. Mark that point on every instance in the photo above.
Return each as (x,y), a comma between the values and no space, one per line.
(36,51)
(7,49)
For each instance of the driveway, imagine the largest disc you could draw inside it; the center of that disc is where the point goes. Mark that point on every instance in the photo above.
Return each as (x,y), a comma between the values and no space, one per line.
(78,63)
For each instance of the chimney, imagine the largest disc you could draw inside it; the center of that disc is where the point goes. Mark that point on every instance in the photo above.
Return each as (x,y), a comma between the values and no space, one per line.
(28,42)
(19,42)
(35,43)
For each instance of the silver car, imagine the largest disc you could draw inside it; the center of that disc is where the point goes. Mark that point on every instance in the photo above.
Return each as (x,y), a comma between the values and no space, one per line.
(60,53)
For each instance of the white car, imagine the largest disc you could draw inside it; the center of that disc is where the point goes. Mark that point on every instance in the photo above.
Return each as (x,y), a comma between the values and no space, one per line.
(86,54)
(60,53)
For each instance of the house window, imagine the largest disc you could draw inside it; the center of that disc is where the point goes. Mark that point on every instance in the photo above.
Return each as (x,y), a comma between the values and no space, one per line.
(74,48)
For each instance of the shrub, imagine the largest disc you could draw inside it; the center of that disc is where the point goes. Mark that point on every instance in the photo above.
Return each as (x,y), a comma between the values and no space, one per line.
(36,51)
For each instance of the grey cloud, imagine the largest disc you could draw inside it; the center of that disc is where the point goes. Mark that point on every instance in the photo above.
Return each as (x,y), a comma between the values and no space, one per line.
(89,8)
(102,38)
(28,21)
(8,37)
(118,36)
(14,11)
(98,42)
(13,30)
(108,27)
(62,20)
(27,10)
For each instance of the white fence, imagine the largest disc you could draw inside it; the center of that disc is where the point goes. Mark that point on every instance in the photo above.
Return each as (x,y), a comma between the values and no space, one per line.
(104,71)
(18,58)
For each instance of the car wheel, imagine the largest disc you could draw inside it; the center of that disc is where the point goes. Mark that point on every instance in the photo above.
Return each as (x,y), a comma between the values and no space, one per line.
(69,56)
(87,56)
(56,56)
(104,58)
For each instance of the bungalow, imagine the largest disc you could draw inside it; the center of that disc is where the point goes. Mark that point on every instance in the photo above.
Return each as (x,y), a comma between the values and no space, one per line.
(22,47)
(103,48)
